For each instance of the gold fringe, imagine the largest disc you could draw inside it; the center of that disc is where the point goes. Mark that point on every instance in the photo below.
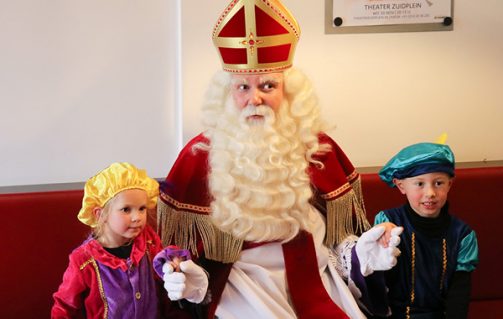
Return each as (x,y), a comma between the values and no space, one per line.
(340,216)
(183,227)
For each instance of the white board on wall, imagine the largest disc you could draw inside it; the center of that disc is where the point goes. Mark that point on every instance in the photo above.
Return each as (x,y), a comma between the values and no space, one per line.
(83,84)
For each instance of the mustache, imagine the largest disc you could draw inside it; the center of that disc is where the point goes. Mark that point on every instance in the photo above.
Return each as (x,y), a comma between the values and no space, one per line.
(251,110)
(266,112)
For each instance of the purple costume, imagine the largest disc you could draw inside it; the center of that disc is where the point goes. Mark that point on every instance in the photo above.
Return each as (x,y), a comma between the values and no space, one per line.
(97,284)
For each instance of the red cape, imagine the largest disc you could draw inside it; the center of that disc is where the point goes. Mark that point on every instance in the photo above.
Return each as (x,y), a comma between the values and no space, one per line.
(184,206)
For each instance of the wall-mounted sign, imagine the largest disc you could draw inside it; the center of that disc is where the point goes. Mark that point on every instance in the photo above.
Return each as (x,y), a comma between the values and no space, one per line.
(348,16)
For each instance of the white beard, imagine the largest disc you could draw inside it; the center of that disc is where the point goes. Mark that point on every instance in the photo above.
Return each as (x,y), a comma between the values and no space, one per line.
(258,175)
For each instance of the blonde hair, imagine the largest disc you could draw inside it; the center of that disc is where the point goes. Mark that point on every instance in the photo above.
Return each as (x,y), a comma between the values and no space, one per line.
(98,231)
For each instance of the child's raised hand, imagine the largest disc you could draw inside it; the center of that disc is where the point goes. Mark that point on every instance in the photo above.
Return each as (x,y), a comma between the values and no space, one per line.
(175,263)
(387,236)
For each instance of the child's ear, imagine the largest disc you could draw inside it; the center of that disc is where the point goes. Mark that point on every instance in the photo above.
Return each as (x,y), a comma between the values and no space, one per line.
(97,212)
(399,184)
(451,181)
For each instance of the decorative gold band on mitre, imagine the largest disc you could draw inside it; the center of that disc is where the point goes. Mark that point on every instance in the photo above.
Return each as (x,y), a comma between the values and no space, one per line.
(256,36)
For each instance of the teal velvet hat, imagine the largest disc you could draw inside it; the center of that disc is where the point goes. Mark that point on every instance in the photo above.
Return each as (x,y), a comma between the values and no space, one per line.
(418,159)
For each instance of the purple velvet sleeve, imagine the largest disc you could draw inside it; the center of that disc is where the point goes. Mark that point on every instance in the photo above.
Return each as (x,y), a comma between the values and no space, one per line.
(373,287)
(168,254)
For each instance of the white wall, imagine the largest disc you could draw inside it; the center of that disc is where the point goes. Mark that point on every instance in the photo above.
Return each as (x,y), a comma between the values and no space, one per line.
(84,83)
(385,90)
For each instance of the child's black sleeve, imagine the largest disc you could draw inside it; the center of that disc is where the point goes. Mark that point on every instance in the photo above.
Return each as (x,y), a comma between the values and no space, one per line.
(458,296)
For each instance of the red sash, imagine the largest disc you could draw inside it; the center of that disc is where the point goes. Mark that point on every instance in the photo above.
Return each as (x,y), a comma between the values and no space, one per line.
(309,297)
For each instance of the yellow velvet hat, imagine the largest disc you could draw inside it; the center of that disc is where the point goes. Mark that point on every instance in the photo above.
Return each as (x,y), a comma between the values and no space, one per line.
(256,36)
(114,179)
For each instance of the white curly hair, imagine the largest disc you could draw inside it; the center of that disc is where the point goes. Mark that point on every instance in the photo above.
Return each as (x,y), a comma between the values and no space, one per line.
(258,174)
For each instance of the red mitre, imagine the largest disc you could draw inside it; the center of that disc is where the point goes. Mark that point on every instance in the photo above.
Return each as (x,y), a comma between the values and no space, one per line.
(256,36)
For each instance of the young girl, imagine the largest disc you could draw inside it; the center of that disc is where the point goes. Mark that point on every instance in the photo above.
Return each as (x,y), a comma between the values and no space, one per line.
(111,275)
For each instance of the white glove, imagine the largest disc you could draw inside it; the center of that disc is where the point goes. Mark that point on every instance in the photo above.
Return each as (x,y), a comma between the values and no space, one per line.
(190,284)
(372,255)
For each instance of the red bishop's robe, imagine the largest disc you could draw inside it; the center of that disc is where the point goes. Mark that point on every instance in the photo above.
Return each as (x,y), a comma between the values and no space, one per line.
(184,208)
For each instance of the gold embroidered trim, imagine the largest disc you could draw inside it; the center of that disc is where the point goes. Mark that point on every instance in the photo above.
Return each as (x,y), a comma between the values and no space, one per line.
(340,220)
(413,269)
(269,4)
(182,206)
(413,275)
(353,181)
(337,192)
(182,228)
(223,15)
(87,262)
(352,176)
(92,261)
(444,262)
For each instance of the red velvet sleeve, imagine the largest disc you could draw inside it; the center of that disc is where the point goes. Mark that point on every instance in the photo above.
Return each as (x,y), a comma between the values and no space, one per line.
(337,172)
(68,300)
(186,186)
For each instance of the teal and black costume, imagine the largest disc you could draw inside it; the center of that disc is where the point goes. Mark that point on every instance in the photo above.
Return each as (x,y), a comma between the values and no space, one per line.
(433,273)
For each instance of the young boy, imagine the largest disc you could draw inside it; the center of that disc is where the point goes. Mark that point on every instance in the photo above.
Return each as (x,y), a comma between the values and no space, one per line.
(432,278)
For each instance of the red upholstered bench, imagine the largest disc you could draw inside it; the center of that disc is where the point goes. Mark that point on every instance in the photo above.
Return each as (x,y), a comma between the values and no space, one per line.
(41,228)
